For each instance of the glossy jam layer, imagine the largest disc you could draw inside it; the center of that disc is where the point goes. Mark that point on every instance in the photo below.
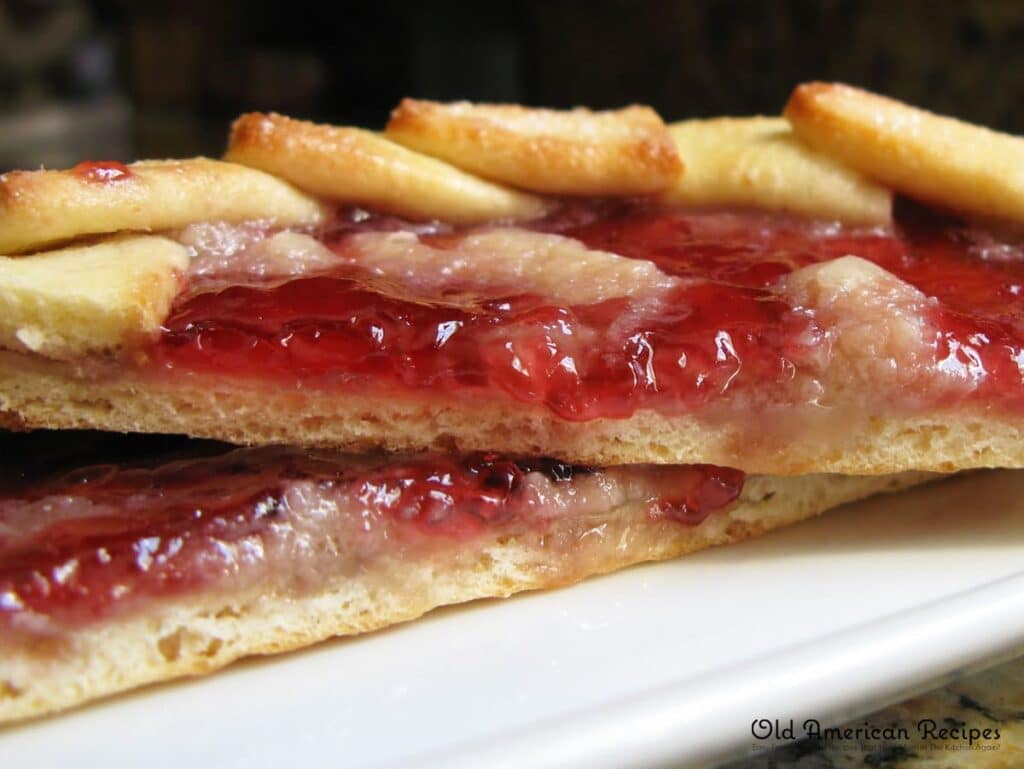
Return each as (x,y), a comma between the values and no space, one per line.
(100,540)
(724,328)
(102,171)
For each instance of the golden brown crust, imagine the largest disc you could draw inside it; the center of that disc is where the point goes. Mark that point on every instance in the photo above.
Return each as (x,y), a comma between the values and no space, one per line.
(363,168)
(198,635)
(759,163)
(40,208)
(936,159)
(561,152)
(89,299)
(38,393)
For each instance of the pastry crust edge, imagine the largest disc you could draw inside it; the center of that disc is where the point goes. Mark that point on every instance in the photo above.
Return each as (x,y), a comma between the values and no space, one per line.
(35,393)
(558,152)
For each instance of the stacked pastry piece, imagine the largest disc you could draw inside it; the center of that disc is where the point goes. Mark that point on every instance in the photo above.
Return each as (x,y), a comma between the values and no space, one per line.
(492,349)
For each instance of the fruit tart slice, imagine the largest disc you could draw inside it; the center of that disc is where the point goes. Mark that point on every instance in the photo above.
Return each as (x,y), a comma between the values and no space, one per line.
(594,286)
(185,556)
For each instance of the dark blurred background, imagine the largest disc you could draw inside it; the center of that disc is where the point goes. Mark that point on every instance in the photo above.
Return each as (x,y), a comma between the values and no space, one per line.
(114,79)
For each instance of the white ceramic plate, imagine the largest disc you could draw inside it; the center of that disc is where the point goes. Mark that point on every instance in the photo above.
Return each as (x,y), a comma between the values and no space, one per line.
(662,665)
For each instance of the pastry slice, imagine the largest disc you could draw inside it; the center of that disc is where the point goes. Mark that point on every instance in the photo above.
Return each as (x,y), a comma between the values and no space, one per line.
(760,299)
(122,574)
(940,160)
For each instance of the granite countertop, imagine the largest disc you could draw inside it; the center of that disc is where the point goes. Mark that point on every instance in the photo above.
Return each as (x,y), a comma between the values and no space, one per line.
(976,722)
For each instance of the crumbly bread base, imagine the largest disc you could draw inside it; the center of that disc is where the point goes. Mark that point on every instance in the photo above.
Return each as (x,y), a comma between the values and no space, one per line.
(197,634)
(36,393)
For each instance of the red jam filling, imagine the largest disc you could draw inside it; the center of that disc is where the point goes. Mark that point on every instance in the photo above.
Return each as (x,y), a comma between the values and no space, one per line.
(730,331)
(102,171)
(96,541)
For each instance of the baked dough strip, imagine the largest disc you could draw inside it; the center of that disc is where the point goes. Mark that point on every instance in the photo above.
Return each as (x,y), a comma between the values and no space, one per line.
(940,160)
(41,208)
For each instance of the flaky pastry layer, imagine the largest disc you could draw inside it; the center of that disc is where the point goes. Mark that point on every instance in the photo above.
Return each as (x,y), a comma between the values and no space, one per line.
(936,159)
(89,299)
(191,636)
(40,208)
(760,163)
(360,167)
(560,152)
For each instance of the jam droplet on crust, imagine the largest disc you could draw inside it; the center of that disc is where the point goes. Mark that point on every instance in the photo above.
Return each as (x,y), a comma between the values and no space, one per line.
(98,541)
(727,330)
(102,171)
